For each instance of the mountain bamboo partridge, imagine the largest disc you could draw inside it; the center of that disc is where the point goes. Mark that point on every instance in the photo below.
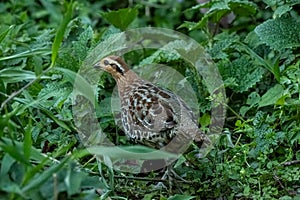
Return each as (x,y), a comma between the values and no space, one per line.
(150,115)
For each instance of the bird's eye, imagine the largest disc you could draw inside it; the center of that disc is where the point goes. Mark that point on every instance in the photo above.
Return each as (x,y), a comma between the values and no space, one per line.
(106,62)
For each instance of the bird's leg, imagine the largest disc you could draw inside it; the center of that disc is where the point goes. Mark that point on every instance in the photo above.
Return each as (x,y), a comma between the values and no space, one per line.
(173,177)
(176,176)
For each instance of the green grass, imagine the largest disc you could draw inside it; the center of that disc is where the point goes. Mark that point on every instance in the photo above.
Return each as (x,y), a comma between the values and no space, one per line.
(44,45)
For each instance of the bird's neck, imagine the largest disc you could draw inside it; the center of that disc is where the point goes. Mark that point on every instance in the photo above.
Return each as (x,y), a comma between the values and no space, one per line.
(129,79)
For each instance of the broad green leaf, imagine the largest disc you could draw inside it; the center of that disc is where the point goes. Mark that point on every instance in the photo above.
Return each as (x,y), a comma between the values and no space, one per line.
(73,180)
(197,7)
(253,99)
(218,5)
(272,66)
(53,95)
(252,40)
(121,18)
(223,43)
(72,56)
(280,33)
(281,10)
(244,110)
(241,7)
(247,190)
(271,96)
(12,188)
(6,164)
(219,9)
(6,183)
(270,3)
(281,7)
(243,71)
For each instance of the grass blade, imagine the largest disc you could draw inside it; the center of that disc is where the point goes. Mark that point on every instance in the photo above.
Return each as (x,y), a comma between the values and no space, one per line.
(61,31)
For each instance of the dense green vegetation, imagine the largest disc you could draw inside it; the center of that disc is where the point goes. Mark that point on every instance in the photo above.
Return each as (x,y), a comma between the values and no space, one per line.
(254,44)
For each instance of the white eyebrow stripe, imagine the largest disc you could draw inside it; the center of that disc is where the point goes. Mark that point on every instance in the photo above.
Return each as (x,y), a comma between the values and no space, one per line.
(118,65)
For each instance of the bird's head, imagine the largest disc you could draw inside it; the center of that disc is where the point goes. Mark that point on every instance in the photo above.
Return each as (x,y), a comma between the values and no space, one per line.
(113,65)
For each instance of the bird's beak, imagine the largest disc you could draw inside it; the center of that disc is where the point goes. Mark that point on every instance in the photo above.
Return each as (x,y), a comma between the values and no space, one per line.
(98,65)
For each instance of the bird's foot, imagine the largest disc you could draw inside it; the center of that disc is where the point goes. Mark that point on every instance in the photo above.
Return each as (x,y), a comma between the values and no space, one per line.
(172,178)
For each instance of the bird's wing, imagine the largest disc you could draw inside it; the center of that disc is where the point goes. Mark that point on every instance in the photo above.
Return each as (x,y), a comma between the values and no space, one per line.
(154,109)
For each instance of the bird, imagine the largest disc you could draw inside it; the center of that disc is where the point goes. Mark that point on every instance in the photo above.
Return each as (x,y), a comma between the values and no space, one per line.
(150,115)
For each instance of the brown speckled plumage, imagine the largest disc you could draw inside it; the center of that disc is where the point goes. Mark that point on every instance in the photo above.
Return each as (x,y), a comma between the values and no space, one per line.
(151,116)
